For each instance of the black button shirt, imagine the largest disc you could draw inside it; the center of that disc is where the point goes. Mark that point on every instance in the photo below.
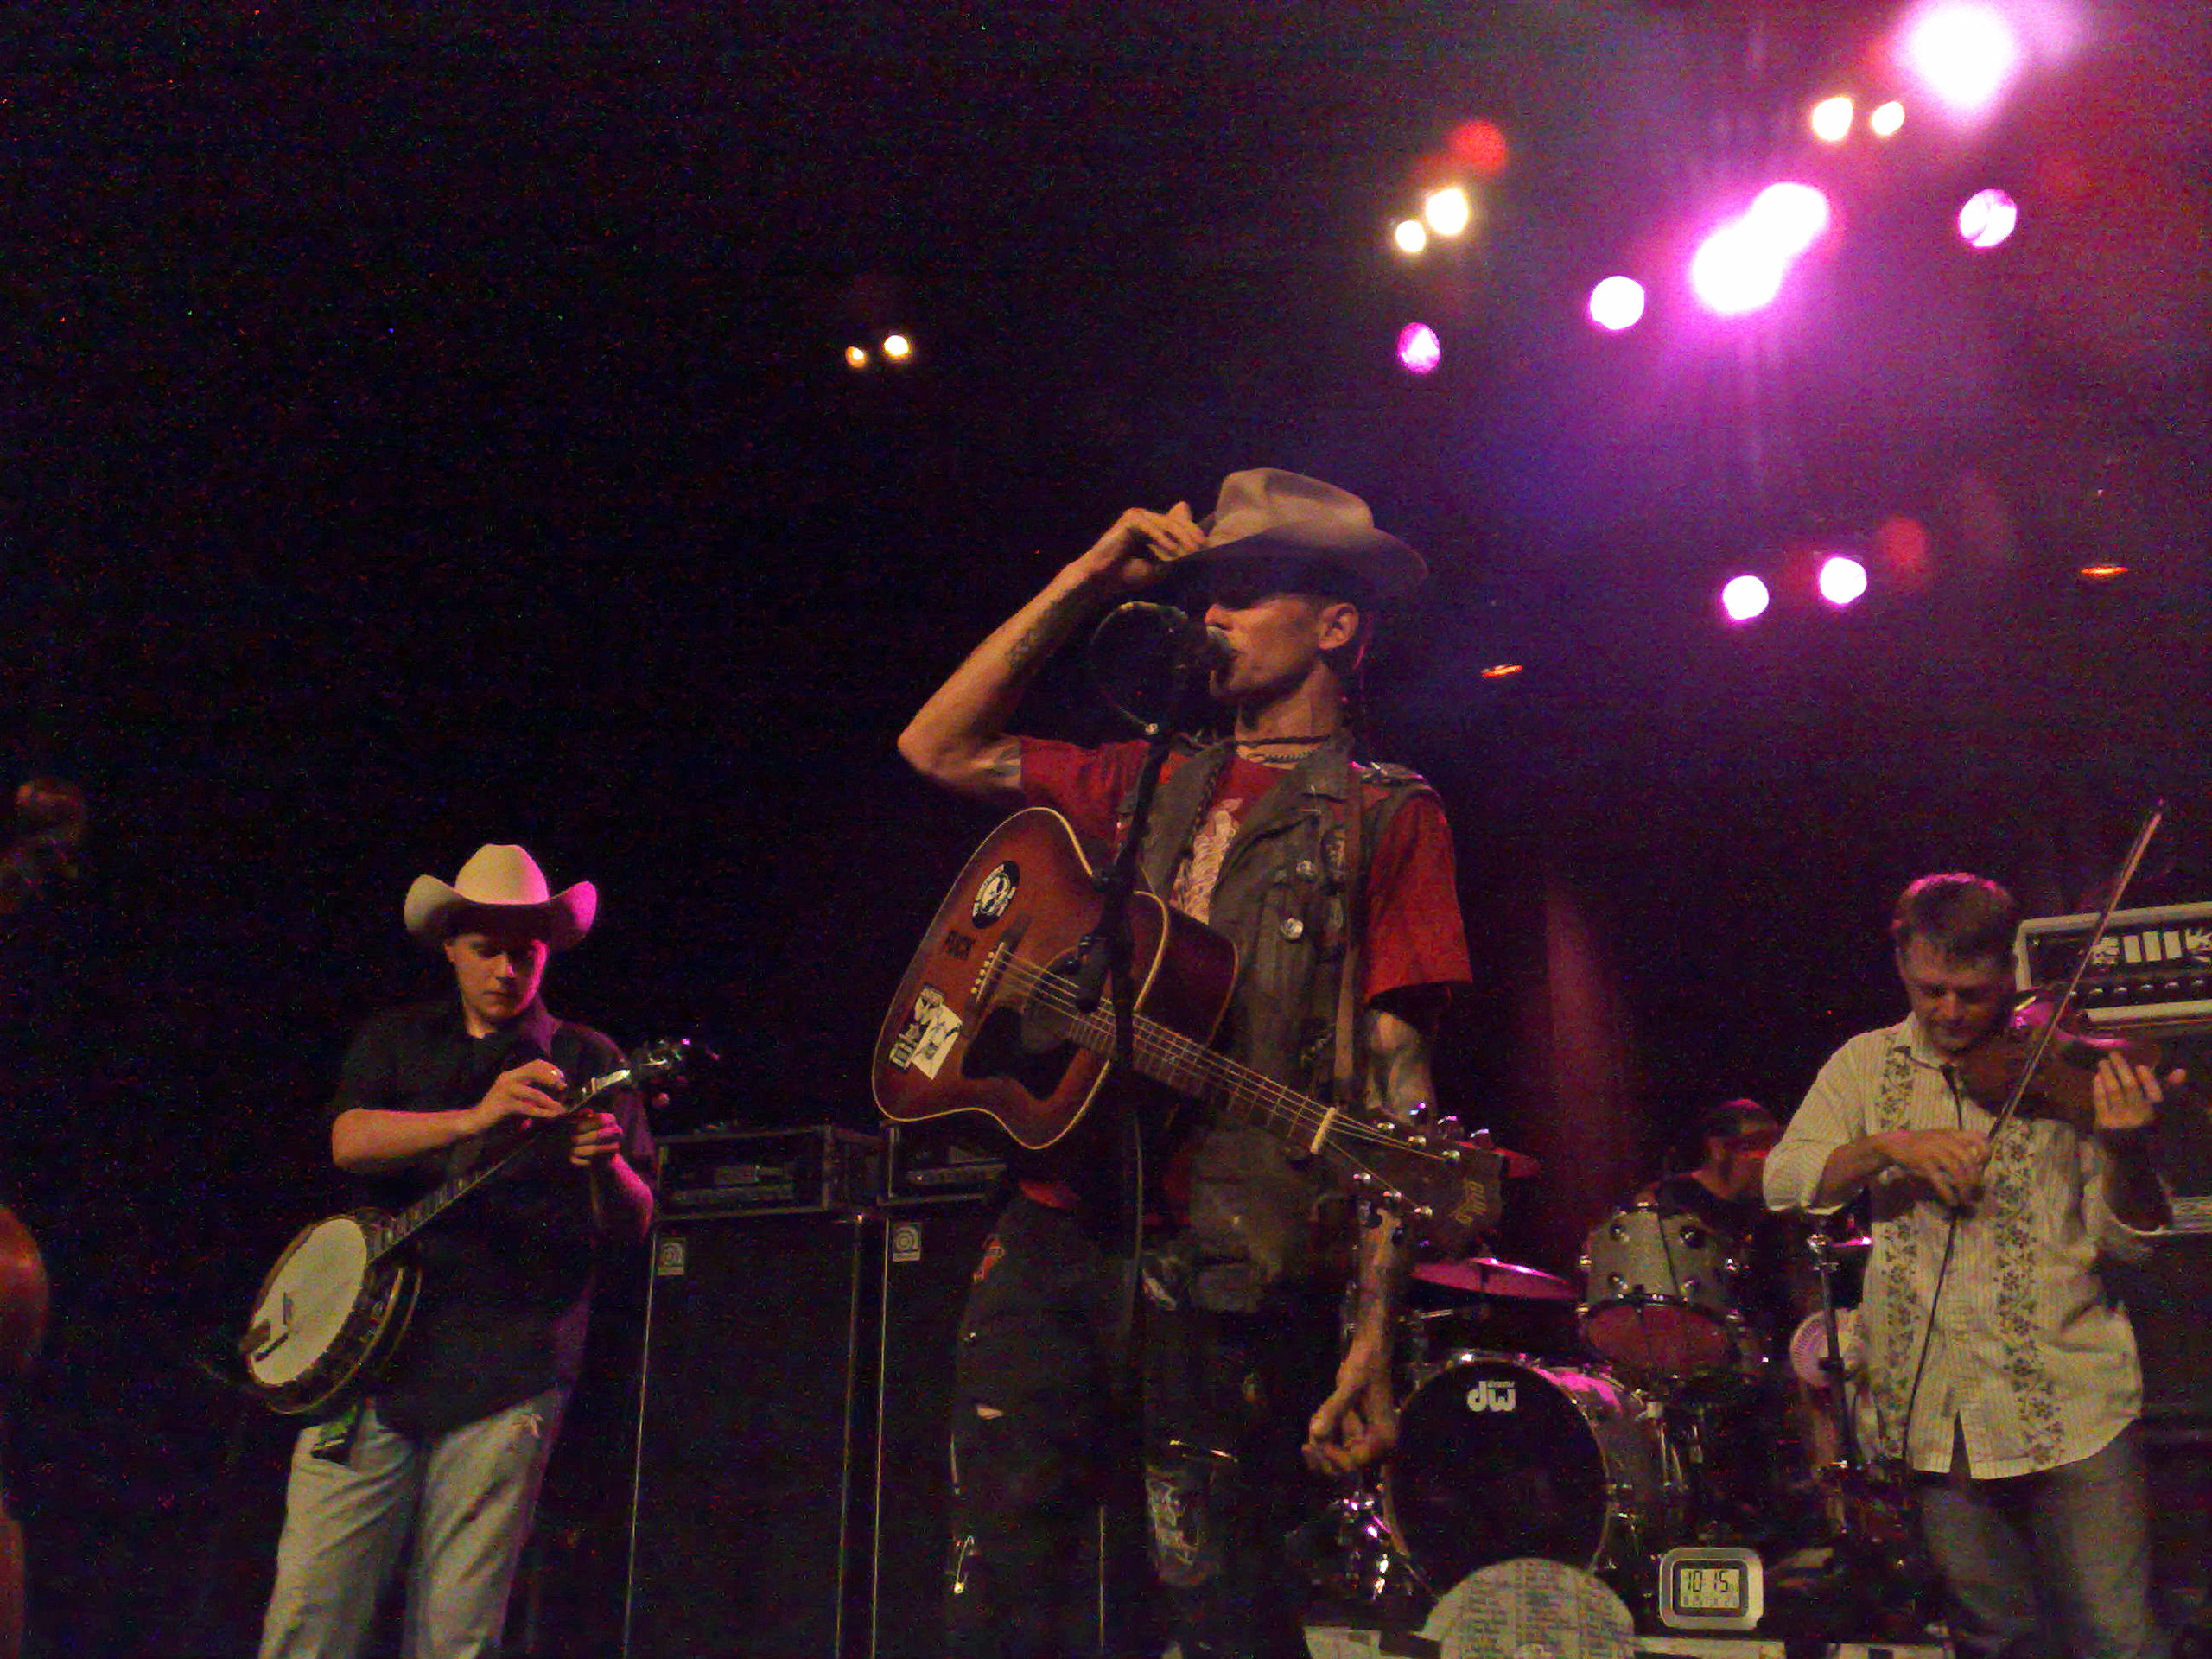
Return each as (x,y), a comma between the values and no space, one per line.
(507,1270)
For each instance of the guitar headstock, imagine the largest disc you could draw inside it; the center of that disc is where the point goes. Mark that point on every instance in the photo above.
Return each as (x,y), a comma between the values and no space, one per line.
(1442,1190)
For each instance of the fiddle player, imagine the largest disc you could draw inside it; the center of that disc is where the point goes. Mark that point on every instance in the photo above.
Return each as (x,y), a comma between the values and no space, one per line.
(451,1444)
(1249,834)
(2001,1370)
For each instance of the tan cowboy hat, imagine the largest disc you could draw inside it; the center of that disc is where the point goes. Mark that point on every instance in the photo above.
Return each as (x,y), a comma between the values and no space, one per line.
(1266,511)
(505,881)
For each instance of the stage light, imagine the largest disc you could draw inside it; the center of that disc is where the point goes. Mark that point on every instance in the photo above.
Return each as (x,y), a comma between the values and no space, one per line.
(1481,146)
(856,357)
(1740,266)
(1831,119)
(1883,119)
(1419,349)
(1501,671)
(2098,575)
(1410,235)
(1988,217)
(1616,303)
(898,348)
(1965,52)
(1447,211)
(1743,598)
(1842,580)
(1737,269)
(1795,216)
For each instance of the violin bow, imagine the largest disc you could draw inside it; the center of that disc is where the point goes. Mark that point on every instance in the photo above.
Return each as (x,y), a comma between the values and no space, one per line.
(2049,1034)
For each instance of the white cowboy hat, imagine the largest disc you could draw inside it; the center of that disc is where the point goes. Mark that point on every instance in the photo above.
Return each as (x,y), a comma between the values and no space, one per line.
(505,880)
(1266,511)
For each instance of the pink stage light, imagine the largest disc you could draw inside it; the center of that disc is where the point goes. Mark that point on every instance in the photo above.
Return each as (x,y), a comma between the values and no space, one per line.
(1967,52)
(1616,303)
(1741,266)
(1988,217)
(1793,216)
(1842,580)
(1743,598)
(1419,349)
(1738,270)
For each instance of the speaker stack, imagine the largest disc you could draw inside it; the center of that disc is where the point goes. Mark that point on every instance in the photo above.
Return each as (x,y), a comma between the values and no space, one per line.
(789,1481)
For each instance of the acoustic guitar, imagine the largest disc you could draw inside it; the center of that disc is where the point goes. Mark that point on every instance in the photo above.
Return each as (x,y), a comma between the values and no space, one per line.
(334,1309)
(989,1018)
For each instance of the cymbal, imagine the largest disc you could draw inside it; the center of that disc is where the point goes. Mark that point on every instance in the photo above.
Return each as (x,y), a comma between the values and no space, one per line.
(1487,1277)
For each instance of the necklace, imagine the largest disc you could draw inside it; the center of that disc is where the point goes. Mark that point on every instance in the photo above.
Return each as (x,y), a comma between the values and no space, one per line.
(1312,740)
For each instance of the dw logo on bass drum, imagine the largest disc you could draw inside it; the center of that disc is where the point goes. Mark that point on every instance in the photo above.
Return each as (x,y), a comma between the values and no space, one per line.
(1492,1394)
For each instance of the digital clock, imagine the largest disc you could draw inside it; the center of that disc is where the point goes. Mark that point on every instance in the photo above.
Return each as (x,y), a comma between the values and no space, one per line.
(1711,1589)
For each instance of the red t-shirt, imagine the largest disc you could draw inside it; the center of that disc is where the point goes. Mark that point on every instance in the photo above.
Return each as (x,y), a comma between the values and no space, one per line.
(1414,931)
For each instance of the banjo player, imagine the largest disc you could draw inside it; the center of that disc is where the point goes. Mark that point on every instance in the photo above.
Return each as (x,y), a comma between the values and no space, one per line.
(451,1440)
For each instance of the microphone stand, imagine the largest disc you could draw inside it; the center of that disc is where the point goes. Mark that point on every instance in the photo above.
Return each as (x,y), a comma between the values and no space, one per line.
(1103,967)
(1104,956)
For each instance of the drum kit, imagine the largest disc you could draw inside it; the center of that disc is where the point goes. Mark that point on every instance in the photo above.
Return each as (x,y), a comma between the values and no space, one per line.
(1598,1426)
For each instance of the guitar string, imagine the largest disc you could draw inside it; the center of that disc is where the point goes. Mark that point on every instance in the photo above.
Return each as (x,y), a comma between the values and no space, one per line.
(1202,1065)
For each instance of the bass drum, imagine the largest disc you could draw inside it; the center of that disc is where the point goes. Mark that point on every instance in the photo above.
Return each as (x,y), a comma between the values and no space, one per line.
(1501,1457)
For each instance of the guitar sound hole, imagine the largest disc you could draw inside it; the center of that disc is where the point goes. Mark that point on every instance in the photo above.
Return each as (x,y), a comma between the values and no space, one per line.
(1007,1045)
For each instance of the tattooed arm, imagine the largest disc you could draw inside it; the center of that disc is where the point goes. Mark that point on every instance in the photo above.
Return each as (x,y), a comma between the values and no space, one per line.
(959,737)
(1357,1424)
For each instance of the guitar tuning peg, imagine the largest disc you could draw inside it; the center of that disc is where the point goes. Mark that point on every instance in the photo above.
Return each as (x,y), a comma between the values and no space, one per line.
(1418,1112)
(1480,1138)
(1448,1127)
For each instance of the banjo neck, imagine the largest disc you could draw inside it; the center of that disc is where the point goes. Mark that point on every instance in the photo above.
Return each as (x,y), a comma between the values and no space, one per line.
(393,1231)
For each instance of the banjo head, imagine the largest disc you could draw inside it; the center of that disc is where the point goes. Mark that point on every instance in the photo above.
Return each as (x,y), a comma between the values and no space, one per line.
(305,1301)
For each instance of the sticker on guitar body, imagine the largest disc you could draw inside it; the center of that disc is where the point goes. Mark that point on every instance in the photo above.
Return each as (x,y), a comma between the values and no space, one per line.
(929,1035)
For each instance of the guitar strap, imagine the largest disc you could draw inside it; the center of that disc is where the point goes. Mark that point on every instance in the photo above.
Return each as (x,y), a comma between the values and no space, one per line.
(1353,972)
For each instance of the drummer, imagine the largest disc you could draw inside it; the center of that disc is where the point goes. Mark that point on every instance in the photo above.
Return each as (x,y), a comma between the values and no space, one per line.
(1730,1143)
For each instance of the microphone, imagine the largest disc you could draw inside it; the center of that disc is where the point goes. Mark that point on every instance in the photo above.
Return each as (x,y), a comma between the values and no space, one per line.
(1194,643)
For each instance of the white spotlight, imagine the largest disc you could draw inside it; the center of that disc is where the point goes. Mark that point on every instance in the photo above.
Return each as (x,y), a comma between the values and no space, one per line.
(1831,119)
(1616,303)
(1410,235)
(1448,211)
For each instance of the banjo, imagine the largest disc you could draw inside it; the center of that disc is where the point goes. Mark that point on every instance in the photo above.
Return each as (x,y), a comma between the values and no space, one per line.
(333,1309)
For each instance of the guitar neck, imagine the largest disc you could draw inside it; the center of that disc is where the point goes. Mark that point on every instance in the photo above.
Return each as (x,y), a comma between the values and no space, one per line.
(1169,1059)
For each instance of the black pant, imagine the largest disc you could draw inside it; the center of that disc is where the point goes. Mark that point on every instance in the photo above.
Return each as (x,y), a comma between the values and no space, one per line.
(1042,1441)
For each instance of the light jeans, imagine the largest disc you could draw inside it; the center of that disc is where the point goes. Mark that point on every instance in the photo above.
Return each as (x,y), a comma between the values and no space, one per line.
(468,1496)
(2048,1565)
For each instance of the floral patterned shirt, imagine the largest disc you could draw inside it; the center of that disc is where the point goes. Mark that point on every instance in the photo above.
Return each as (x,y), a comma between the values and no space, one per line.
(2028,1355)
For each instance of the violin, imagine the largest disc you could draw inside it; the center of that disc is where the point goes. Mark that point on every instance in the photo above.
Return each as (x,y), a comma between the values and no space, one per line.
(2060,1089)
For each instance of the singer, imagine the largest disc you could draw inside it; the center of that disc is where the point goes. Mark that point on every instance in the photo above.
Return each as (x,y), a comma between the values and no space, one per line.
(1308,862)
(2001,1370)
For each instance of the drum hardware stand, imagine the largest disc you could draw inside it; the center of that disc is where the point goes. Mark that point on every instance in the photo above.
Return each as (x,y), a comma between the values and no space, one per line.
(1849,1463)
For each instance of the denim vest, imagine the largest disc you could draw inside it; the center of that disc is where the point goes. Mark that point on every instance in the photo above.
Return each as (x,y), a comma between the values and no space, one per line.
(1282,899)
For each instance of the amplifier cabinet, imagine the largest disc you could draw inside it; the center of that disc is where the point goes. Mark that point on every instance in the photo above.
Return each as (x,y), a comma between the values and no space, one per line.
(753,1473)
(767,1172)
(930,1252)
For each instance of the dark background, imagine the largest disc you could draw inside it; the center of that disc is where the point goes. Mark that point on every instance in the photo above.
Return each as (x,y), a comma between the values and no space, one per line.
(426,425)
